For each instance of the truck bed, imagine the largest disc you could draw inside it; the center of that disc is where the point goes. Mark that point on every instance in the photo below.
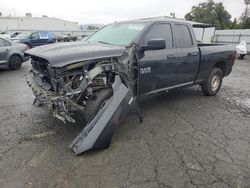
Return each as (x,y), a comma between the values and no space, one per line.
(214,53)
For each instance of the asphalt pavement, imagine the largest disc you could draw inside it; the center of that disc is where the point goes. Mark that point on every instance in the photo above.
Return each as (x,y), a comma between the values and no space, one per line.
(186,140)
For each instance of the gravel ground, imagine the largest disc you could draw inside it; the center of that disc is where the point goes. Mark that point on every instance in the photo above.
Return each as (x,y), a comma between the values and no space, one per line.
(186,140)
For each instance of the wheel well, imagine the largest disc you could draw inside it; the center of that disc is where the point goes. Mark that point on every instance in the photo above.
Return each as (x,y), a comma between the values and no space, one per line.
(222,66)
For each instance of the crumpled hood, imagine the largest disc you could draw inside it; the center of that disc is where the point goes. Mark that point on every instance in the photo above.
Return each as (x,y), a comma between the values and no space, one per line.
(61,54)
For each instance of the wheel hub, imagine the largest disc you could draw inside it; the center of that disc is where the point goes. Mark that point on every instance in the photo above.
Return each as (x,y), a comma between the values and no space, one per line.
(215,82)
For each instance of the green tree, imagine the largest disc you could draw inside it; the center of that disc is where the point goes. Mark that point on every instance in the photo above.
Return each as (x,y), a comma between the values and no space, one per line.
(211,13)
(245,21)
(234,24)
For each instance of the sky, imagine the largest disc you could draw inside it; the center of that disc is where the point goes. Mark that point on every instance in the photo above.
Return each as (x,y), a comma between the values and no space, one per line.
(107,11)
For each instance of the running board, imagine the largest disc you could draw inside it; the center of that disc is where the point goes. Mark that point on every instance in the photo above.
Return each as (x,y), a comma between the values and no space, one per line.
(99,132)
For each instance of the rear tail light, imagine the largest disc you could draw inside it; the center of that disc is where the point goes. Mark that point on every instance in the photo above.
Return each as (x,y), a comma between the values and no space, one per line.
(234,57)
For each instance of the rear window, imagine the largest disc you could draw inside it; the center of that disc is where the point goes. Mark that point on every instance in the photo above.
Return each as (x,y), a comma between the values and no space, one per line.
(51,35)
(183,36)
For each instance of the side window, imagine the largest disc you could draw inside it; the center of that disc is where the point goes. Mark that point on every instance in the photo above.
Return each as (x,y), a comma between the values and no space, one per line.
(183,36)
(44,35)
(34,36)
(160,31)
(1,43)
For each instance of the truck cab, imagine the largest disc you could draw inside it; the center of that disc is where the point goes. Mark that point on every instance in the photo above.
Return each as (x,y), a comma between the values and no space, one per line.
(174,64)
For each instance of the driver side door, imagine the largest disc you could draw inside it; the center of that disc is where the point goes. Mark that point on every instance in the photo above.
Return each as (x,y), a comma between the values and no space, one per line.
(157,68)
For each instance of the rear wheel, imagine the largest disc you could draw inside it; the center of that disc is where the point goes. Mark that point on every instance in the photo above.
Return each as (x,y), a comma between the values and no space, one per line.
(15,62)
(212,84)
(96,102)
(242,56)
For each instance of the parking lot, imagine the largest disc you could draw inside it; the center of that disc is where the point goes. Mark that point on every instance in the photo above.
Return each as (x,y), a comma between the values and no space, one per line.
(186,140)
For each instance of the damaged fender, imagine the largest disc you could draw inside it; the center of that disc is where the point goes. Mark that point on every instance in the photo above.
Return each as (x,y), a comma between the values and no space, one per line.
(99,132)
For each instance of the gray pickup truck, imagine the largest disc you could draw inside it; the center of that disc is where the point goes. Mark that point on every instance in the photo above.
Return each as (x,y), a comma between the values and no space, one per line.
(105,76)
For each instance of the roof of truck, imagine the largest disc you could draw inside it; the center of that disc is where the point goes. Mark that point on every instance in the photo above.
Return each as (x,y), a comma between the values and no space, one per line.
(166,18)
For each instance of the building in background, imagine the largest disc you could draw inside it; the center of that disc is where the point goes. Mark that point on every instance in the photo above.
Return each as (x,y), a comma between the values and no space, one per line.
(11,23)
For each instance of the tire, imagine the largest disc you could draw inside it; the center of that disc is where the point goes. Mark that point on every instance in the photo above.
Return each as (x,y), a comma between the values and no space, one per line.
(242,56)
(212,84)
(96,102)
(15,62)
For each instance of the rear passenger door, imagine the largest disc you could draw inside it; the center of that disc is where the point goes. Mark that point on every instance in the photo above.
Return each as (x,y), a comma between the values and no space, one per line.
(157,67)
(188,54)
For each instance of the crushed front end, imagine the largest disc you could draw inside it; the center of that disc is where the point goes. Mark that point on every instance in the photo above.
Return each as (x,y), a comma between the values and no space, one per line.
(49,89)
(67,89)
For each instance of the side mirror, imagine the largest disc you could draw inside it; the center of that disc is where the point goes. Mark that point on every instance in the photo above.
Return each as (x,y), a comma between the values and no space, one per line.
(154,44)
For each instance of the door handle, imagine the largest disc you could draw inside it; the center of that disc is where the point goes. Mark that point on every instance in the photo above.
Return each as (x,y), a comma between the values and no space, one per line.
(193,54)
(171,56)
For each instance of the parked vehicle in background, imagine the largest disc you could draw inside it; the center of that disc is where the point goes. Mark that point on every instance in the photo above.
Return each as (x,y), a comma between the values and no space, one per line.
(12,54)
(66,37)
(34,39)
(60,37)
(241,49)
(5,35)
(70,37)
(105,76)
(14,34)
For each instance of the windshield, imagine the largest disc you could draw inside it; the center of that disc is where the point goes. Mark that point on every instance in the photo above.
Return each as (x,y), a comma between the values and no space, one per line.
(23,35)
(118,33)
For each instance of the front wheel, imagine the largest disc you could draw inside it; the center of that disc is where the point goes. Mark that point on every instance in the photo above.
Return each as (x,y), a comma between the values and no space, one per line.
(15,62)
(96,102)
(212,84)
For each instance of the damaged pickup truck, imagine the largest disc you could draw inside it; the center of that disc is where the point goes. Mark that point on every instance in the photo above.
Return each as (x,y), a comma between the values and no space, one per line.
(105,76)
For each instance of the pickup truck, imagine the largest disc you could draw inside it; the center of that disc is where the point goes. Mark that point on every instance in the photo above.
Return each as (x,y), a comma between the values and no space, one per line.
(105,76)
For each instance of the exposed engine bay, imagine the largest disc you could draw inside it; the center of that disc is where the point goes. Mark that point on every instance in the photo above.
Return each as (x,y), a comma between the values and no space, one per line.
(68,89)
(74,87)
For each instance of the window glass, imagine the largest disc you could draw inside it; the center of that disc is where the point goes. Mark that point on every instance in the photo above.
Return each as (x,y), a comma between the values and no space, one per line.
(44,35)
(51,35)
(117,33)
(183,36)
(23,35)
(160,31)
(34,36)
(1,43)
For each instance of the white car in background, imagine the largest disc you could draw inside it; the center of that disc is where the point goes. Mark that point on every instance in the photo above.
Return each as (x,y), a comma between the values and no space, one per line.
(241,49)
(5,35)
